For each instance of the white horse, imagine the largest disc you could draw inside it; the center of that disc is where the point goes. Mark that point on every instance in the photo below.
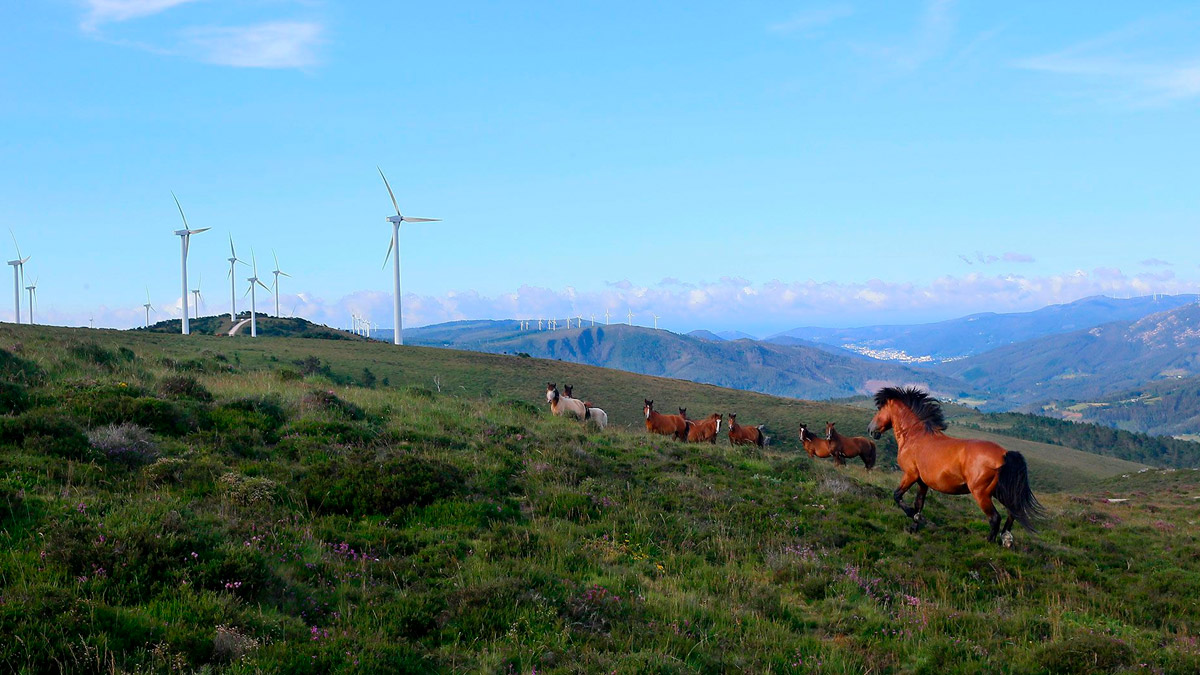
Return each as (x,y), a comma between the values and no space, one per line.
(563,405)
(593,414)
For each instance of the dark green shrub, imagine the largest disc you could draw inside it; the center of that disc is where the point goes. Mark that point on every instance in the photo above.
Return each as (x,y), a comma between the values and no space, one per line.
(337,432)
(93,353)
(184,386)
(1086,653)
(46,432)
(323,400)
(14,398)
(362,486)
(13,368)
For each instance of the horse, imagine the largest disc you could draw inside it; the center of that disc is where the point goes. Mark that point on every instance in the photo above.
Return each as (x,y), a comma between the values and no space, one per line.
(667,425)
(704,430)
(740,435)
(931,459)
(563,405)
(850,446)
(594,414)
(816,446)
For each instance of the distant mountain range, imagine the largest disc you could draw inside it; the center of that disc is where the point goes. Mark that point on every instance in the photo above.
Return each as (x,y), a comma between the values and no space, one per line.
(978,333)
(1129,363)
(1086,364)
(796,371)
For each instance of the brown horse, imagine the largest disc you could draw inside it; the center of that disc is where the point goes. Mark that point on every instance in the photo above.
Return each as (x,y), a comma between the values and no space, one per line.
(816,446)
(596,415)
(850,446)
(931,459)
(705,430)
(740,435)
(667,425)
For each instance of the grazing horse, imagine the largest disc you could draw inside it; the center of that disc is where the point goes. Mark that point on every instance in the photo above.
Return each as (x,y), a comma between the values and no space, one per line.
(667,425)
(931,459)
(704,430)
(850,446)
(740,435)
(562,405)
(816,446)
(594,414)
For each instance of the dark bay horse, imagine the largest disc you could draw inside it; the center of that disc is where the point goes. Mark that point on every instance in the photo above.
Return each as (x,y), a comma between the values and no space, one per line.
(740,435)
(850,446)
(705,430)
(931,459)
(816,446)
(667,425)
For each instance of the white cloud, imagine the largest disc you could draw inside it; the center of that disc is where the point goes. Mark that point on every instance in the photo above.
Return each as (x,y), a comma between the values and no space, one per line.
(276,44)
(807,20)
(113,11)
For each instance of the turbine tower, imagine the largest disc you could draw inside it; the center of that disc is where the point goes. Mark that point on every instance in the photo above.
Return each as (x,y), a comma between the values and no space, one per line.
(233,261)
(607,316)
(18,266)
(253,307)
(185,237)
(149,307)
(32,288)
(398,333)
(631,317)
(656,318)
(196,296)
(277,272)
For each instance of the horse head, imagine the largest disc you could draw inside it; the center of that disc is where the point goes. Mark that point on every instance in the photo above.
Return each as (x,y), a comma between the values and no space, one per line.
(648,408)
(551,392)
(683,413)
(567,390)
(829,430)
(881,422)
(804,433)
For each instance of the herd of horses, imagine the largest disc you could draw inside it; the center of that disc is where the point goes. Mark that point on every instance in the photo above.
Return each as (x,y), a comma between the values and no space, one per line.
(926,455)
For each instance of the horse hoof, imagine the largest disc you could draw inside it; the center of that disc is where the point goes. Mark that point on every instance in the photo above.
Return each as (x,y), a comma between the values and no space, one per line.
(1006,540)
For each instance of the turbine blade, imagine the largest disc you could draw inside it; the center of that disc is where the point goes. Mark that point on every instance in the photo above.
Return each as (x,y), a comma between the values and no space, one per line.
(14,238)
(276,259)
(389,253)
(422,220)
(390,193)
(232,253)
(185,225)
(248,290)
(203,229)
(285,274)
(262,284)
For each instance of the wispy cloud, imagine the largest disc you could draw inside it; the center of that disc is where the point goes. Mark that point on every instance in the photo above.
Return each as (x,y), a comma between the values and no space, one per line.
(1154,262)
(1126,66)
(811,19)
(989,258)
(113,11)
(932,36)
(278,44)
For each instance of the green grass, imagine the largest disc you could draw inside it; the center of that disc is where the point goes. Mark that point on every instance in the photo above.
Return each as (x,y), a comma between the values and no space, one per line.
(261,520)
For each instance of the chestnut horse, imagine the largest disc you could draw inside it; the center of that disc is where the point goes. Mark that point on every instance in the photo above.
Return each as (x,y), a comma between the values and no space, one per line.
(667,425)
(740,435)
(594,414)
(705,430)
(931,459)
(563,405)
(816,446)
(850,446)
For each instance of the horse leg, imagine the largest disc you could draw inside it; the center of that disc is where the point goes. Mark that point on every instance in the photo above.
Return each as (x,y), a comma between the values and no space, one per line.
(898,495)
(984,499)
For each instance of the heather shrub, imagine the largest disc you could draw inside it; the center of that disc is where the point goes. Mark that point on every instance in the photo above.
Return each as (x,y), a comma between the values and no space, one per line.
(184,386)
(327,401)
(126,443)
(365,486)
(20,370)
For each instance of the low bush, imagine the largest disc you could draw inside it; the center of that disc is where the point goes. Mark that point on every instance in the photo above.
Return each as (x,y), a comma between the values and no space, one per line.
(14,368)
(184,386)
(14,398)
(364,486)
(327,401)
(46,432)
(125,443)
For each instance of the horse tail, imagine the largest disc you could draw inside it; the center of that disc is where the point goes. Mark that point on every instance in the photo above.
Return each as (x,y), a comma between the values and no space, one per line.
(587,412)
(762,438)
(869,455)
(1014,493)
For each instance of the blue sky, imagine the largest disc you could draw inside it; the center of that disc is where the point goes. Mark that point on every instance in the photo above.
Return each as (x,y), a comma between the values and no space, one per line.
(755,166)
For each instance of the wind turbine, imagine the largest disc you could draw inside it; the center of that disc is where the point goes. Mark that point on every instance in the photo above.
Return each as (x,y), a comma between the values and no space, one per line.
(32,288)
(606,317)
(149,307)
(656,318)
(18,266)
(185,237)
(398,334)
(196,295)
(253,307)
(277,272)
(631,317)
(593,318)
(233,261)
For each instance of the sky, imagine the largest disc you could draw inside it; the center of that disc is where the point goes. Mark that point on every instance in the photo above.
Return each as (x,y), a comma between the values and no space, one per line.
(752,166)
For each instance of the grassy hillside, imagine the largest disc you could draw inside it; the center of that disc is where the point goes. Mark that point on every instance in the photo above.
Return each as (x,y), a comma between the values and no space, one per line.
(268,326)
(225,511)
(784,370)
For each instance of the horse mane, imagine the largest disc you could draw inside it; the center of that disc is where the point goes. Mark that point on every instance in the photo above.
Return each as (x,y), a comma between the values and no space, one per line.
(925,407)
